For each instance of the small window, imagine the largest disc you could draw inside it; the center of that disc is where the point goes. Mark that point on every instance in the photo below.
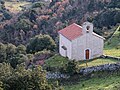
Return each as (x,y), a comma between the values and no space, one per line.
(64,47)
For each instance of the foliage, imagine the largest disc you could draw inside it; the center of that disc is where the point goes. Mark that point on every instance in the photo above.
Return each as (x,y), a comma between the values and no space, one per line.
(4,11)
(21,49)
(114,4)
(11,54)
(30,56)
(37,4)
(7,15)
(23,24)
(96,62)
(2,52)
(57,15)
(20,78)
(112,44)
(56,61)
(5,71)
(1,86)
(18,59)
(41,42)
(42,55)
(104,82)
(106,18)
(71,68)
(91,6)
(10,50)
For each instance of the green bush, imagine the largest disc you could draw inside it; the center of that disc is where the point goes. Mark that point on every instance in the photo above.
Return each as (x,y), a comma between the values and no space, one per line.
(23,24)
(41,42)
(7,15)
(37,4)
(22,79)
(71,68)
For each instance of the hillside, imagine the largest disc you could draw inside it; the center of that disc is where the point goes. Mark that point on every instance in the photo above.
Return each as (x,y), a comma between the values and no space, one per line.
(29,58)
(112,45)
(45,18)
(99,83)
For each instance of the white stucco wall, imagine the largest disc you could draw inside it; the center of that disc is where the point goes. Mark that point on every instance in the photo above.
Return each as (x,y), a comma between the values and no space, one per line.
(98,44)
(84,42)
(63,41)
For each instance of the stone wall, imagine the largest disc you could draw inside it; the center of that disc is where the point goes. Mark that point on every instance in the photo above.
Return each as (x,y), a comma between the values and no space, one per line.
(110,57)
(56,75)
(106,67)
(89,70)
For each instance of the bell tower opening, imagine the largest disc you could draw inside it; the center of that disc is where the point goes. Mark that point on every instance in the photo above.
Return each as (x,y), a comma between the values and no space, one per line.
(88,27)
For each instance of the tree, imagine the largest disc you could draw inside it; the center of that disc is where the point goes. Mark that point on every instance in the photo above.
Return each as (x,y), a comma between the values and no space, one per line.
(21,49)
(1,85)
(41,42)
(10,51)
(42,55)
(38,4)
(17,59)
(23,24)
(32,16)
(2,4)
(107,18)
(22,79)
(5,71)
(91,6)
(2,53)
(116,17)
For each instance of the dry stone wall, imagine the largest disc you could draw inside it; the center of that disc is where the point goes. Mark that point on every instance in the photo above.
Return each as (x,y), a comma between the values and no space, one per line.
(106,67)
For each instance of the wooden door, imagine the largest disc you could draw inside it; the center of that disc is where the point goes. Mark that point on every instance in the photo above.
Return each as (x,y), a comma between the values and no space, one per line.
(87,54)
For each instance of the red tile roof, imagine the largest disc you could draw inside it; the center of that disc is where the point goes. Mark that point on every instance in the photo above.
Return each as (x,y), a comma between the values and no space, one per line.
(72,31)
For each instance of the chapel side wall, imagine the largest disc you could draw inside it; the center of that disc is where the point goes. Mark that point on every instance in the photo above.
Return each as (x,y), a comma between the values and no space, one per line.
(63,41)
(98,44)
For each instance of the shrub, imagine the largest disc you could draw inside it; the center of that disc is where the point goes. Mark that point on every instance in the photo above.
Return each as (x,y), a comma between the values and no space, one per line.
(71,68)
(42,55)
(41,42)
(37,4)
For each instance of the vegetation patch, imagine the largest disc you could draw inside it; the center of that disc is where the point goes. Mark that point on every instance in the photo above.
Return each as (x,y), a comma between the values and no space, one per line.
(112,45)
(111,82)
(97,62)
(15,6)
(56,61)
(59,61)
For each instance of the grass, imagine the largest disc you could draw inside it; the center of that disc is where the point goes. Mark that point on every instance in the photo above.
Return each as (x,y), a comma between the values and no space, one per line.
(97,62)
(111,82)
(15,6)
(59,61)
(112,46)
(56,61)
